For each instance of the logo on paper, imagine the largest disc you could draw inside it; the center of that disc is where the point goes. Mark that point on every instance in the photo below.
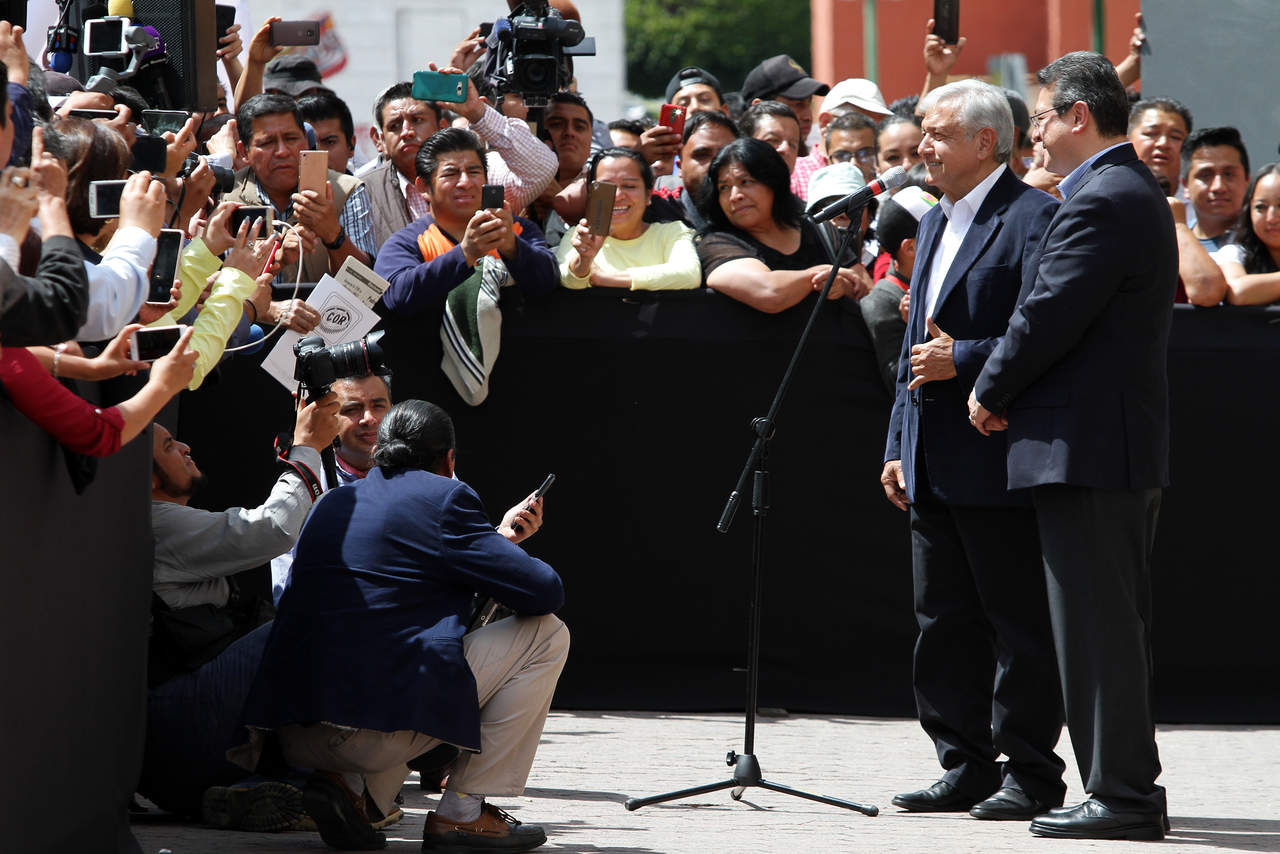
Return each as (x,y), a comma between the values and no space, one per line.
(336,315)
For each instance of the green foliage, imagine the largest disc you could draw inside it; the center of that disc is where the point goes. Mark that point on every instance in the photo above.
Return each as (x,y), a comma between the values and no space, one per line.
(726,37)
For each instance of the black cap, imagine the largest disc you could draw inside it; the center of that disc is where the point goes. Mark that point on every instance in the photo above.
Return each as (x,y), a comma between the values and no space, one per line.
(781,75)
(293,74)
(688,77)
(1017,106)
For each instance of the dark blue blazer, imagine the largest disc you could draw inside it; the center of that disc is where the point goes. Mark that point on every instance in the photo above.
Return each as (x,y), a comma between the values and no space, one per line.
(1082,370)
(369,631)
(978,295)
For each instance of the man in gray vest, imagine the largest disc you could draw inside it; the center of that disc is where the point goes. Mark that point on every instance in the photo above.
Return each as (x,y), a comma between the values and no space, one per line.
(516,159)
(330,227)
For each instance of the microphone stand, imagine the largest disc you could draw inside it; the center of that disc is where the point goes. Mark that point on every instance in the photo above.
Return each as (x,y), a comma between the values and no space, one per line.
(745,765)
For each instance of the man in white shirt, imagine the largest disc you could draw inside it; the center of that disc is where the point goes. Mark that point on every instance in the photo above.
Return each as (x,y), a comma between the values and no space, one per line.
(984,662)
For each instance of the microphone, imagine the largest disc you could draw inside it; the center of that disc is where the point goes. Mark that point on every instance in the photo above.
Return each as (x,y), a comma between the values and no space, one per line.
(889,180)
(120,8)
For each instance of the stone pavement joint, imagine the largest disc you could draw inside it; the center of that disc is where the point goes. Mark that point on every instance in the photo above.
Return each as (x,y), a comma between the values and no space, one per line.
(1221,782)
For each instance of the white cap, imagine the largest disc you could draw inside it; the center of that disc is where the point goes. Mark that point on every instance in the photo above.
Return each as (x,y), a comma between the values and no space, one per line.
(833,182)
(856,92)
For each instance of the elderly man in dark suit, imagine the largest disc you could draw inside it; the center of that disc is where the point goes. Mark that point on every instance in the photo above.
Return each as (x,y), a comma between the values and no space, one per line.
(370,670)
(1079,381)
(985,680)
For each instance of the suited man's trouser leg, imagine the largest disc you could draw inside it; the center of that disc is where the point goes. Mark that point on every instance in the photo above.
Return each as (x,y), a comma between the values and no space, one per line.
(985,672)
(516,662)
(1097,548)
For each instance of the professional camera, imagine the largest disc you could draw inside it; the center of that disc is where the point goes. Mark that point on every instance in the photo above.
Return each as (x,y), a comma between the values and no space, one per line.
(318,367)
(223,178)
(530,52)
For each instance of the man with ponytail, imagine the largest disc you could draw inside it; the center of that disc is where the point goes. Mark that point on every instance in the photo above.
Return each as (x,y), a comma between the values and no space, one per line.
(370,670)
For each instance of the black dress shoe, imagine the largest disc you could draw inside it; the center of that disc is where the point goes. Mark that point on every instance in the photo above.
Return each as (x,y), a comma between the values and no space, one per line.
(341,823)
(940,797)
(1009,804)
(1093,820)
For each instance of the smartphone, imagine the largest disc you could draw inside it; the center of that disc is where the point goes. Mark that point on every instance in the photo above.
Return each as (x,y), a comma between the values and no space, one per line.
(600,207)
(224,16)
(150,153)
(673,117)
(492,196)
(250,213)
(104,198)
(83,113)
(157,122)
(285,33)
(105,36)
(486,27)
(313,171)
(147,345)
(438,86)
(165,268)
(271,256)
(946,20)
(546,484)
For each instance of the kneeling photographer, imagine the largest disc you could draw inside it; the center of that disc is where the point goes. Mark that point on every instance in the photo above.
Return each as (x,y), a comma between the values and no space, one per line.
(207,638)
(380,599)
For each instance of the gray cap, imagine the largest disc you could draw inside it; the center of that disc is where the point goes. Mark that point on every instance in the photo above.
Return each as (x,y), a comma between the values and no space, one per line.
(293,74)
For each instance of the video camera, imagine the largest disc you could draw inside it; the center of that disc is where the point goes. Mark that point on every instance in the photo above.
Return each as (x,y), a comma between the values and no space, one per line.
(318,367)
(530,52)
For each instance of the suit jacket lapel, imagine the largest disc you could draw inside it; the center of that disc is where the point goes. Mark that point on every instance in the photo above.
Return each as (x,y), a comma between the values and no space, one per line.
(980,233)
(929,236)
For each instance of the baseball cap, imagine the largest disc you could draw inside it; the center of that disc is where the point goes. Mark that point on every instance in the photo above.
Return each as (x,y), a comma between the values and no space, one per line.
(781,75)
(832,182)
(899,217)
(292,74)
(855,92)
(688,77)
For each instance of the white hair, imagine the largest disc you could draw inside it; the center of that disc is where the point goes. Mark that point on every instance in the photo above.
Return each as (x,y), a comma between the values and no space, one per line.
(979,105)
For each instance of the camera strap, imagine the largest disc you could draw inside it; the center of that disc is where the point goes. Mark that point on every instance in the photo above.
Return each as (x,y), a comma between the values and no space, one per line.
(283,446)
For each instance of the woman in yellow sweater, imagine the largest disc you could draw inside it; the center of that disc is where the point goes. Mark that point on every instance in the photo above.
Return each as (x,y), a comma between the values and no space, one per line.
(639,255)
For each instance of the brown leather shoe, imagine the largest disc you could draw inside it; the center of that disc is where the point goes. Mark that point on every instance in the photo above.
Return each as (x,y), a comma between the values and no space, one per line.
(494,830)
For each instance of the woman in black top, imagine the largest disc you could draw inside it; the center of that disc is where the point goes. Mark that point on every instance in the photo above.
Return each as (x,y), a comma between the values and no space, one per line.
(758,249)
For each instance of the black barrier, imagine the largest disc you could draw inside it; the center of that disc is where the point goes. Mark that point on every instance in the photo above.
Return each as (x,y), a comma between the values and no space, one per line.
(641,406)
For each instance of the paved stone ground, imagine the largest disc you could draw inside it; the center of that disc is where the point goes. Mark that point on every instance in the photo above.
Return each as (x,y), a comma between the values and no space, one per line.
(1223,793)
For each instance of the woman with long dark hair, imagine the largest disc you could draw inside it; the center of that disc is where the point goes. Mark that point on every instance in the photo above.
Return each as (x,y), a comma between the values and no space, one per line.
(1251,262)
(757,247)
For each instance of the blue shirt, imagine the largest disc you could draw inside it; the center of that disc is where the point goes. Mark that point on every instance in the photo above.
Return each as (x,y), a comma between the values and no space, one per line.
(1067,184)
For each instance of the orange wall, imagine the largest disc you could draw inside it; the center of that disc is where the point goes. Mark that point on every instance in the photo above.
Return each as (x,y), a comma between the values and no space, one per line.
(1041,31)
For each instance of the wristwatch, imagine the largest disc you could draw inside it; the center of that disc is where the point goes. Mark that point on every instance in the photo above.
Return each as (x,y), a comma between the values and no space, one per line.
(337,241)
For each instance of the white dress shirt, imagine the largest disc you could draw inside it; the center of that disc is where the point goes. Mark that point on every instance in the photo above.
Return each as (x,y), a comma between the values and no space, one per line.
(960,215)
(118,284)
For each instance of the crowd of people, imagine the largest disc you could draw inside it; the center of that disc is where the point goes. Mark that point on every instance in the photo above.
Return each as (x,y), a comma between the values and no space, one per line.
(718,203)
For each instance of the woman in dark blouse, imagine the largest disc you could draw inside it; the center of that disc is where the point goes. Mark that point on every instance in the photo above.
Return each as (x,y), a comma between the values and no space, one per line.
(758,249)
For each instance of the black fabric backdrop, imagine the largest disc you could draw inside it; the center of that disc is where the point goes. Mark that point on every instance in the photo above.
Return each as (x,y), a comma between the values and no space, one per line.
(641,406)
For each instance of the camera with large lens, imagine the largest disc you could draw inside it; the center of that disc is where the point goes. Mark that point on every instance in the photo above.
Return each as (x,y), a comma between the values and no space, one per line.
(318,367)
(530,52)
(223,178)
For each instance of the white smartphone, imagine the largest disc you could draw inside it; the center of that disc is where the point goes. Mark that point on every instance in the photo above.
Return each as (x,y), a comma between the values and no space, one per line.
(106,36)
(147,345)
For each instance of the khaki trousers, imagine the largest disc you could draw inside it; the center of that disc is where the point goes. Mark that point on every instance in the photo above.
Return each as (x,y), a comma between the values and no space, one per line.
(516,662)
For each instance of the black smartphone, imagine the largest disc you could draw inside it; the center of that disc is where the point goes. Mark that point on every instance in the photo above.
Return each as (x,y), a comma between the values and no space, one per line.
(84,113)
(250,213)
(287,33)
(150,153)
(104,198)
(165,268)
(946,20)
(486,27)
(492,196)
(224,16)
(546,484)
(147,345)
(157,122)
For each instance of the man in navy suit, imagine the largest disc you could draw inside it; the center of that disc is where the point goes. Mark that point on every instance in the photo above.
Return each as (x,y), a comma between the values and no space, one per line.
(985,678)
(370,669)
(1079,381)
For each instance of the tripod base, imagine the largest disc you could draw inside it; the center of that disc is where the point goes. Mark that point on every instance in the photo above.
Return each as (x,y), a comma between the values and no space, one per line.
(746,773)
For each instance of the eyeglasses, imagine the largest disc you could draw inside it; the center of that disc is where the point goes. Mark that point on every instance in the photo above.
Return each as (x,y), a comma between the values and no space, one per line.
(1040,118)
(862,155)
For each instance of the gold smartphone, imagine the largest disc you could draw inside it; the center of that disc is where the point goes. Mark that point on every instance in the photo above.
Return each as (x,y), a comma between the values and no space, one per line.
(313,171)
(600,207)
